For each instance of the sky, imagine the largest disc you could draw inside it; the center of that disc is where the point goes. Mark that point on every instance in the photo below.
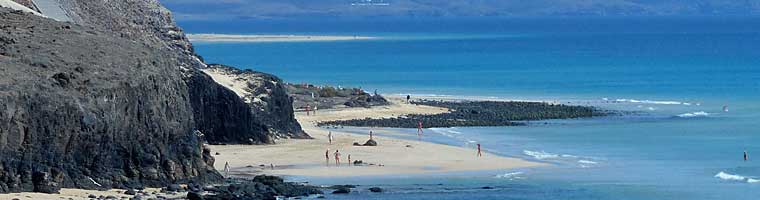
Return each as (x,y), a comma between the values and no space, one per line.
(361,9)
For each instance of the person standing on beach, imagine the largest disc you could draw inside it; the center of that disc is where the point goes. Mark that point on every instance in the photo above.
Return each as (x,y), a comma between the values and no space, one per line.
(308,107)
(226,168)
(315,110)
(480,153)
(408,97)
(327,157)
(370,135)
(337,158)
(329,137)
(349,159)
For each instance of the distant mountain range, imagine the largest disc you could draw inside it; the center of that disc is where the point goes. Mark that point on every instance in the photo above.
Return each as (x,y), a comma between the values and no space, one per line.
(226,9)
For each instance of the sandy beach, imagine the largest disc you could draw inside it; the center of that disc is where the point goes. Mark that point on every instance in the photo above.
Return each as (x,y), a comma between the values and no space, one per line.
(83,194)
(391,157)
(269,38)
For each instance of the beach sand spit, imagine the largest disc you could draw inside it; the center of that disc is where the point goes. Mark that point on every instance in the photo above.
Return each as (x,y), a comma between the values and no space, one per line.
(397,156)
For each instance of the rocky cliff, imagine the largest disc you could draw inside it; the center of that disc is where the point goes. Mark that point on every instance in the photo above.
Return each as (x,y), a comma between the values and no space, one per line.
(222,116)
(83,108)
(116,99)
(267,107)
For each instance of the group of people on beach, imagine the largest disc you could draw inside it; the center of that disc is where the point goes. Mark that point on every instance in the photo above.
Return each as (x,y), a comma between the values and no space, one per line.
(336,155)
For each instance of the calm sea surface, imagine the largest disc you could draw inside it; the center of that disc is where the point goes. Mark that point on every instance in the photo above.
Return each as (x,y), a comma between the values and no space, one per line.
(678,73)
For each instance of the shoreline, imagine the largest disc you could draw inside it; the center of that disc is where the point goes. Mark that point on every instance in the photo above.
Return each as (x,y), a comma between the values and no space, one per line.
(392,156)
(211,38)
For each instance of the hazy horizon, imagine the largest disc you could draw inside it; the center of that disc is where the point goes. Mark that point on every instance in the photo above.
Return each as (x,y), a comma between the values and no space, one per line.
(186,10)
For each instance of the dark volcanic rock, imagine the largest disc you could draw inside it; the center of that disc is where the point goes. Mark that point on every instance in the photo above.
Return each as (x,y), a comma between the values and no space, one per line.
(375,189)
(222,116)
(478,113)
(331,97)
(370,142)
(261,187)
(266,111)
(82,108)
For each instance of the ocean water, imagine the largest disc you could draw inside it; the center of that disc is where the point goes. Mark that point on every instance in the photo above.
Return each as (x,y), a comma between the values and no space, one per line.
(676,73)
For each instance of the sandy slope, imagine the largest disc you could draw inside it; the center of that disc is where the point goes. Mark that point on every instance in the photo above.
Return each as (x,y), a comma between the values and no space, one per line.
(306,157)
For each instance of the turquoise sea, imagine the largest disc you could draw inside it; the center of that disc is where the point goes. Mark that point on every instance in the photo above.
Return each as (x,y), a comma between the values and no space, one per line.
(675,73)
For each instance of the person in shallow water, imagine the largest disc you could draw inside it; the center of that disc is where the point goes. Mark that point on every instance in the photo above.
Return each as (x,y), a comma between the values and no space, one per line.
(419,130)
(746,157)
(480,153)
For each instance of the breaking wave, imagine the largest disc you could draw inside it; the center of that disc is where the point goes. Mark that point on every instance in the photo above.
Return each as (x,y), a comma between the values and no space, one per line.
(509,175)
(694,114)
(734,177)
(541,155)
(652,102)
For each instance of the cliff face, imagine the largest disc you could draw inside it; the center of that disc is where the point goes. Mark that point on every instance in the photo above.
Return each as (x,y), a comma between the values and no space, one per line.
(268,107)
(116,99)
(222,116)
(82,108)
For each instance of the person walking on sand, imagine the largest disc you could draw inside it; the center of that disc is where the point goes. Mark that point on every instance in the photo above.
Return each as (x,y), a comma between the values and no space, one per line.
(349,159)
(480,153)
(337,158)
(308,107)
(408,97)
(370,135)
(329,137)
(315,110)
(226,168)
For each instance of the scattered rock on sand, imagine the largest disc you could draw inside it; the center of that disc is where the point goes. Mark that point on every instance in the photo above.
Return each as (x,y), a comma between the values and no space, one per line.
(375,189)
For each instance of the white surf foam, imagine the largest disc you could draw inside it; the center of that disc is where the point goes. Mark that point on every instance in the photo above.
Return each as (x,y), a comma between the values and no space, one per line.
(587,162)
(541,155)
(509,175)
(694,114)
(651,102)
(735,177)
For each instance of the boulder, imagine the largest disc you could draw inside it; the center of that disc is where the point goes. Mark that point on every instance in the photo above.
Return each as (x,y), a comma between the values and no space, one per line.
(370,142)
(375,189)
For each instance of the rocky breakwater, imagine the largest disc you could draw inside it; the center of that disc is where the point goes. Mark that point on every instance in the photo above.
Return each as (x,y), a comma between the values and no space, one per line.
(82,107)
(478,113)
(258,101)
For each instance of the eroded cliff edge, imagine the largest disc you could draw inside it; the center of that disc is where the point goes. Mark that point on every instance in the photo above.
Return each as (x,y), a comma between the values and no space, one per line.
(82,108)
(117,98)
